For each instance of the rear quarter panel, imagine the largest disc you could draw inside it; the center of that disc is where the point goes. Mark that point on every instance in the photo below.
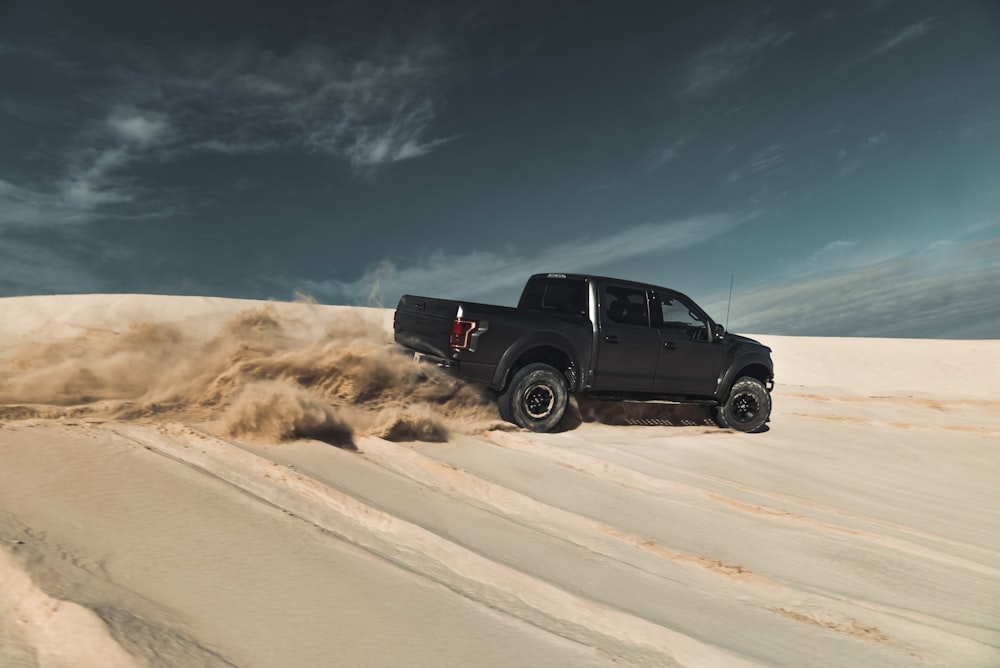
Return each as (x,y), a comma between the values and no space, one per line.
(530,331)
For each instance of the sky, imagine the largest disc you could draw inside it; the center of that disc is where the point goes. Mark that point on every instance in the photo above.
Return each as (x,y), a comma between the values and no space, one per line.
(837,163)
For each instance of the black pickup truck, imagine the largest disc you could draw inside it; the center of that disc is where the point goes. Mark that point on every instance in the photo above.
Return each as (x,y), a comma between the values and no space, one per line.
(608,338)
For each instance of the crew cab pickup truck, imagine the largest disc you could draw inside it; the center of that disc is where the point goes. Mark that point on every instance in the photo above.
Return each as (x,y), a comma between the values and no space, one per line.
(608,338)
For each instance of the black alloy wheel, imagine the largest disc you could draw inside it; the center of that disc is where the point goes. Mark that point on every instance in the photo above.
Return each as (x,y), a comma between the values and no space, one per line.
(535,398)
(747,408)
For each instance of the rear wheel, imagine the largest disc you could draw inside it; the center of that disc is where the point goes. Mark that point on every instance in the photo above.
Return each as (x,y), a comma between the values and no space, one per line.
(535,399)
(747,408)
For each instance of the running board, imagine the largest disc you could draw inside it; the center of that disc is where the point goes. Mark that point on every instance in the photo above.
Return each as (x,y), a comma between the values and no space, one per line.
(665,401)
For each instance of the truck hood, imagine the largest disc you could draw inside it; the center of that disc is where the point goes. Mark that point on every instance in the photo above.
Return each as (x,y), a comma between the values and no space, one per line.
(746,340)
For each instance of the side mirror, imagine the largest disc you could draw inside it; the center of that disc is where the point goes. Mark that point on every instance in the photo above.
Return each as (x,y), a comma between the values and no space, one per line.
(718,332)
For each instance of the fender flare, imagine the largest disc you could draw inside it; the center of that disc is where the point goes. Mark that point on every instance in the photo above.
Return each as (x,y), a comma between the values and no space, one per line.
(529,342)
(735,370)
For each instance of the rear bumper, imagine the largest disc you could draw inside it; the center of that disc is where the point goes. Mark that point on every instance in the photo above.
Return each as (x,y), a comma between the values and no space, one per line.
(479,373)
(444,363)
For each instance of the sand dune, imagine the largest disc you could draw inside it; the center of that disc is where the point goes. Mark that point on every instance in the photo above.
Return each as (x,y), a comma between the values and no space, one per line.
(193,481)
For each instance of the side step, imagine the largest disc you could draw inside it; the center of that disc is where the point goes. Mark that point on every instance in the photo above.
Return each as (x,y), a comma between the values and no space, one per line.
(674,401)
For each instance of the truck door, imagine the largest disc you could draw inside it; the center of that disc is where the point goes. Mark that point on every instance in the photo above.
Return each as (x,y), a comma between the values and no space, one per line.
(627,346)
(689,361)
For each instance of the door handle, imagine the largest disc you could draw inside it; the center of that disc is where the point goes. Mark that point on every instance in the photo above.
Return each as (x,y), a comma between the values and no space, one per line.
(669,345)
(610,338)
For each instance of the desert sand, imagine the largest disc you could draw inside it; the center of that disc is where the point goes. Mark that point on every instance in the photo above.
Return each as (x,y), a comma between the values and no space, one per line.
(207,482)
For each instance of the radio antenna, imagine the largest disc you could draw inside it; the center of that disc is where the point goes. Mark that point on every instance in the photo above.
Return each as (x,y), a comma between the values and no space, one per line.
(732,277)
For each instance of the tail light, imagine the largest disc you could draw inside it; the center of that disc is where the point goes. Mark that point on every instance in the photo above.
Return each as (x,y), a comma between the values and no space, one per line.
(461,333)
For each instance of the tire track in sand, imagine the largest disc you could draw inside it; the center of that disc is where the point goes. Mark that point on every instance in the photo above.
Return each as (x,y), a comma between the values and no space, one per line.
(622,635)
(859,619)
(687,493)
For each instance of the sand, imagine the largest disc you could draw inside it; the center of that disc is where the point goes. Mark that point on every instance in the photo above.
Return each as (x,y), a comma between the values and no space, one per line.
(194,481)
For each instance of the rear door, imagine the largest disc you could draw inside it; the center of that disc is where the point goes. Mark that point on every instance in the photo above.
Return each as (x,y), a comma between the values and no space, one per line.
(627,346)
(689,362)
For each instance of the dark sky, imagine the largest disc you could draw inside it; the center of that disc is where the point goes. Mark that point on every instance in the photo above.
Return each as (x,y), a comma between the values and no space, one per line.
(841,159)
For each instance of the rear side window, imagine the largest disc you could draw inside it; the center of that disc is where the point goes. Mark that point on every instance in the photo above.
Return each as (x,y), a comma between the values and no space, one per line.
(625,305)
(555,295)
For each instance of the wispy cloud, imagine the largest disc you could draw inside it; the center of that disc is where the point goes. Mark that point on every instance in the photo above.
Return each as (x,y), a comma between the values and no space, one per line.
(831,255)
(500,275)
(28,267)
(946,291)
(843,255)
(133,127)
(764,161)
(92,174)
(908,34)
(369,110)
(669,153)
(723,63)
(852,158)
(23,206)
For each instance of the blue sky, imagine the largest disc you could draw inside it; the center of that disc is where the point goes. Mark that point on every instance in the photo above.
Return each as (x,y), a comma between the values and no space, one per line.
(841,159)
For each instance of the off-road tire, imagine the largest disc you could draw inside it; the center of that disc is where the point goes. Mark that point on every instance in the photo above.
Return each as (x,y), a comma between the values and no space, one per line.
(747,407)
(535,398)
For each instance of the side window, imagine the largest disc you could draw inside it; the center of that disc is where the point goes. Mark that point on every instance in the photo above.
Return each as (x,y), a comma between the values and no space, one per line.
(565,297)
(559,295)
(679,316)
(625,305)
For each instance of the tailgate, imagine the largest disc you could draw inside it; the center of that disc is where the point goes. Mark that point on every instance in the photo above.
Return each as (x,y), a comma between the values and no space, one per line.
(424,324)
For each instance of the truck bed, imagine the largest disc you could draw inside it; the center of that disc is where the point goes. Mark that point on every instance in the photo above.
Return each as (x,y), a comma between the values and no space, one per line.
(423,325)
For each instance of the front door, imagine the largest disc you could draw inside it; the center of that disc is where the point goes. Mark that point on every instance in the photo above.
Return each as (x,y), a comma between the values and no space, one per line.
(689,361)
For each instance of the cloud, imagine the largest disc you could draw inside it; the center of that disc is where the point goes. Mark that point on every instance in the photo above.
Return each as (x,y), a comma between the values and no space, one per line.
(38,268)
(92,175)
(133,127)
(669,153)
(370,110)
(723,63)
(832,253)
(897,39)
(90,179)
(946,291)
(844,255)
(850,159)
(907,34)
(765,161)
(497,274)
(81,195)
(22,206)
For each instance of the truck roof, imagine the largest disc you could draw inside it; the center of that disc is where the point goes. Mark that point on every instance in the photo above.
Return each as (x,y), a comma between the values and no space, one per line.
(605,279)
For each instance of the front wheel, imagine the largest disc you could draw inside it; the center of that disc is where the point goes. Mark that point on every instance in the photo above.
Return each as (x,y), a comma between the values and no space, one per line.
(535,399)
(747,408)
